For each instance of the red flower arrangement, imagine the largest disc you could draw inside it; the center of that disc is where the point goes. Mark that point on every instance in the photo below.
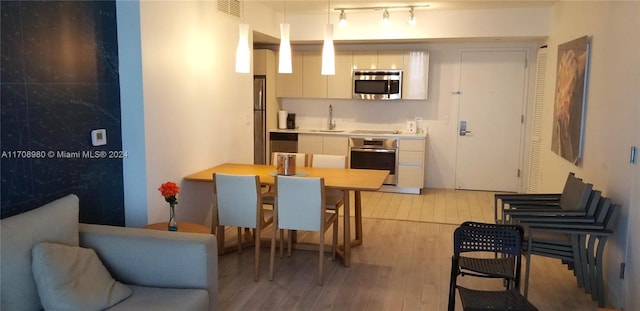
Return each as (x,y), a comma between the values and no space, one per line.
(169,191)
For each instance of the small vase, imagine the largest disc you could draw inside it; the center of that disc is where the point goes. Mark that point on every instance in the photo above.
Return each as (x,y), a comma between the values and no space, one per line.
(173,224)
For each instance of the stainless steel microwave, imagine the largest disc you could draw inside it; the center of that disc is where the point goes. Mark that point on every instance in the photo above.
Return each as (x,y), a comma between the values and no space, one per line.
(377,84)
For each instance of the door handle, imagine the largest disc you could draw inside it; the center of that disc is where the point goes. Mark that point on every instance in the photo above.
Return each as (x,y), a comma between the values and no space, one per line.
(463,128)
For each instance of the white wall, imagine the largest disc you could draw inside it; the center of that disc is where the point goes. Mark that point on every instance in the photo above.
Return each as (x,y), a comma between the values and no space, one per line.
(612,98)
(195,108)
(439,111)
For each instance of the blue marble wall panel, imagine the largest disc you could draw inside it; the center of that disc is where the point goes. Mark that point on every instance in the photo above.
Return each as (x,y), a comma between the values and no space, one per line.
(58,81)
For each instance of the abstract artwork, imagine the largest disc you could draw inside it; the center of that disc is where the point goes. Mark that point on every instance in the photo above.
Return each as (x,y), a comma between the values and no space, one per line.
(570,99)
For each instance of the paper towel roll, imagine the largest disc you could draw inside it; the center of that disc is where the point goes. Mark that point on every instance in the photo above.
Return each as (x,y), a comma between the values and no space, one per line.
(282,119)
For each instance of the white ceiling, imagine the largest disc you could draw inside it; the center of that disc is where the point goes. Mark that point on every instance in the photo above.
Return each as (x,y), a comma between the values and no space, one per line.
(317,6)
(301,7)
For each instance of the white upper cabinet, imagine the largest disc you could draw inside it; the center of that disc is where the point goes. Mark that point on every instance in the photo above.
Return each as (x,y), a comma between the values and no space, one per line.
(365,59)
(390,60)
(377,59)
(290,84)
(415,75)
(339,85)
(314,85)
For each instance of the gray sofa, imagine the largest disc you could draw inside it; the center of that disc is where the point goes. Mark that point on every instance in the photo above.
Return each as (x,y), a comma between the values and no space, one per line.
(164,270)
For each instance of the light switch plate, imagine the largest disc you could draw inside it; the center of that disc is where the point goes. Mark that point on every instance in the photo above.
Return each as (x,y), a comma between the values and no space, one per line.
(99,137)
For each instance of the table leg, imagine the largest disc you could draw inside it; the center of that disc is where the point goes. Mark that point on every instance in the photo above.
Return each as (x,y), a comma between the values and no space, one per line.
(358,218)
(220,235)
(347,230)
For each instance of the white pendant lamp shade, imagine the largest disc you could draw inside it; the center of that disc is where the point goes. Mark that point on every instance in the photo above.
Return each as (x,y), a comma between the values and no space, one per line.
(243,60)
(284,59)
(328,52)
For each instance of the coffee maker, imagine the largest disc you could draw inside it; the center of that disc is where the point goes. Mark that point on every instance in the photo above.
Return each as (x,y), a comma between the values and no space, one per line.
(291,121)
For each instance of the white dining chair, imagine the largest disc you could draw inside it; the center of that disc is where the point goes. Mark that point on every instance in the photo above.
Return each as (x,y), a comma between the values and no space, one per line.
(237,203)
(334,198)
(300,206)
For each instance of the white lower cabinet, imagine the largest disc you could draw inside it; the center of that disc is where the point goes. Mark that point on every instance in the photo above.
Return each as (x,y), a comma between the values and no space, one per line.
(309,144)
(411,163)
(323,144)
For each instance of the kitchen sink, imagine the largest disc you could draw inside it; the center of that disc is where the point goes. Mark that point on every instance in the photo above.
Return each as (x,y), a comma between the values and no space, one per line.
(375,132)
(327,131)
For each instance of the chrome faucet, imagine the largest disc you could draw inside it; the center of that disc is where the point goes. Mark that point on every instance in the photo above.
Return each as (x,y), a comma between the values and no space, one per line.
(332,122)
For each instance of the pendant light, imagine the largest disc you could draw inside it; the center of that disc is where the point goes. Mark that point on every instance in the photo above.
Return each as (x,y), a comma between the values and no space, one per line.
(284,58)
(328,52)
(243,58)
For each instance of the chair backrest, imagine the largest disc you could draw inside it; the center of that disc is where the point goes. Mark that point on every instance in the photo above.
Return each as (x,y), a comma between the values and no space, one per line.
(604,205)
(237,199)
(594,201)
(301,158)
(611,217)
(477,237)
(575,194)
(300,202)
(328,160)
(516,227)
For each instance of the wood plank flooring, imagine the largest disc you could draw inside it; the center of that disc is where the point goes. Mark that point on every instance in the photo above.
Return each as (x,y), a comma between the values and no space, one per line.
(403,264)
(447,206)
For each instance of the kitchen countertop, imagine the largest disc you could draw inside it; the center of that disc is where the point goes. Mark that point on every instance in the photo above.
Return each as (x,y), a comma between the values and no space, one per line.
(354,132)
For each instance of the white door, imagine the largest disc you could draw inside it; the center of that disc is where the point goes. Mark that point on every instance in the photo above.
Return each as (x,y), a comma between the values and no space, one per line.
(491,105)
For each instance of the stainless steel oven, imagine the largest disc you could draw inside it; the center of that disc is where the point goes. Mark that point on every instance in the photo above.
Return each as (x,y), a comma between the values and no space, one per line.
(376,154)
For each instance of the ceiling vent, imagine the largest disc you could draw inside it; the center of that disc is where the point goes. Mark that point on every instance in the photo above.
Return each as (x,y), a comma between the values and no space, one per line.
(231,7)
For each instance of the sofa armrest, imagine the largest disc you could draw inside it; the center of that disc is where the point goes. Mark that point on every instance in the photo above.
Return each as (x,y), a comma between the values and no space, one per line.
(156,258)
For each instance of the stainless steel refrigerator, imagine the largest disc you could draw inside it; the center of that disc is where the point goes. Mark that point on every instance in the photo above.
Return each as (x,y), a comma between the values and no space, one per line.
(259,120)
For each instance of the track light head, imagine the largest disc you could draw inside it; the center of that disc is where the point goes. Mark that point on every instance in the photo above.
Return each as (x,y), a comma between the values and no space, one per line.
(412,17)
(343,19)
(385,17)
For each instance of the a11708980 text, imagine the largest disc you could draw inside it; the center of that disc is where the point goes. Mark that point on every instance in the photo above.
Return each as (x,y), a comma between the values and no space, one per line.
(64,154)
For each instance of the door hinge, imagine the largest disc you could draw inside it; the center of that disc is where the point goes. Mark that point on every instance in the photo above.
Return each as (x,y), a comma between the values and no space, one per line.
(521,119)
(622,266)
(518,173)
(526,62)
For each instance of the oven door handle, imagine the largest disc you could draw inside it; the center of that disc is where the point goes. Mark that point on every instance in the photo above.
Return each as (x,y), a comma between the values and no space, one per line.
(373,150)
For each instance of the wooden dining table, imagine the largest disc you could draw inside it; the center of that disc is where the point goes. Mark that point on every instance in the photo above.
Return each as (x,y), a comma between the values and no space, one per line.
(348,180)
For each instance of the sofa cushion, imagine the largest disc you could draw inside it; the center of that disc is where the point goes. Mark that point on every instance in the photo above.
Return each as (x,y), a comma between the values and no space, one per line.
(55,222)
(73,278)
(164,299)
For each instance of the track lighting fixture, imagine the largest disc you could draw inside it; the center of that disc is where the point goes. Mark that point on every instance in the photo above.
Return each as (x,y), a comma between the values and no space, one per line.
(385,13)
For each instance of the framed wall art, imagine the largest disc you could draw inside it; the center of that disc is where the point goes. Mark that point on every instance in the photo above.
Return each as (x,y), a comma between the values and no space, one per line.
(570,99)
